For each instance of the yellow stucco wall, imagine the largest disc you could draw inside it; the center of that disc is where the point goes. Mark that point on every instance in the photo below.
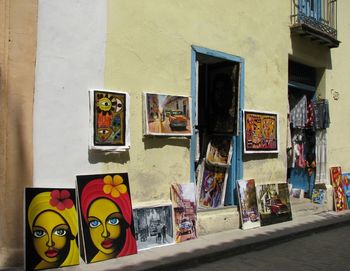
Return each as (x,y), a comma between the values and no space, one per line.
(149,49)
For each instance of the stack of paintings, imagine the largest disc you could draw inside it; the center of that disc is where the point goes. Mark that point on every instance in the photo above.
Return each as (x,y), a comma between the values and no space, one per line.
(51,228)
(153,226)
(105,217)
(248,204)
(338,189)
(185,211)
(273,203)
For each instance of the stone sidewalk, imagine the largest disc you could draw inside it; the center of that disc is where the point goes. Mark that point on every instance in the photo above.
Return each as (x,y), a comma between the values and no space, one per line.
(219,245)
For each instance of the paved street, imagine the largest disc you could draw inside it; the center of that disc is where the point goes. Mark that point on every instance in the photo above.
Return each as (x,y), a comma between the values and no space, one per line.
(328,250)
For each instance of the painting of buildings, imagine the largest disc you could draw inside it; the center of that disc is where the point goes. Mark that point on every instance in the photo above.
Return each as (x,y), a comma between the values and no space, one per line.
(167,115)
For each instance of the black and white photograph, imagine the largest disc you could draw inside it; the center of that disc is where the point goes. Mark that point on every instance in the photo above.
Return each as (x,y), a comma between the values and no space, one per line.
(153,226)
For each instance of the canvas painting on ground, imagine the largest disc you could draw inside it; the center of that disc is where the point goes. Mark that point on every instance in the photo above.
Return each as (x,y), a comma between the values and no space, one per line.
(51,228)
(346,186)
(109,120)
(248,205)
(167,115)
(153,226)
(185,211)
(105,216)
(273,203)
(338,189)
(318,196)
(260,132)
(219,151)
(211,186)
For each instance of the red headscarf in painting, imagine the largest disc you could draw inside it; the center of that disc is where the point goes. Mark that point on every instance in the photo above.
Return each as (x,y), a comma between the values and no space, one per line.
(114,189)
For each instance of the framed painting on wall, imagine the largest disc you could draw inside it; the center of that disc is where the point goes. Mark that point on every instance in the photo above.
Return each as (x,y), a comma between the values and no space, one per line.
(167,115)
(248,205)
(274,203)
(338,189)
(105,216)
(109,120)
(260,132)
(51,228)
(185,211)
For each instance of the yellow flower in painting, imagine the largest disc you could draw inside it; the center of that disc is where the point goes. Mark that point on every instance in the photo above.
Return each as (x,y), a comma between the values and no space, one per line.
(114,186)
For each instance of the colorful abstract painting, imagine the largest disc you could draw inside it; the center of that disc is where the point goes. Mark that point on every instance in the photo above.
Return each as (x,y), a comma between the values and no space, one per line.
(346,186)
(185,211)
(105,215)
(219,151)
(273,203)
(51,228)
(211,186)
(248,205)
(338,189)
(109,114)
(318,196)
(260,132)
(153,226)
(167,115)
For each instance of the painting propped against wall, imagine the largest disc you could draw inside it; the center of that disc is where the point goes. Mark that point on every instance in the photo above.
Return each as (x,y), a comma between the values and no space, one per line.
(185,211)
(51,228)
(248,205)
(338,190)
(211,186)
(260,132)
(105,216)
(273,203)
(109,120)
(153,226)
(167,115)
(346,186)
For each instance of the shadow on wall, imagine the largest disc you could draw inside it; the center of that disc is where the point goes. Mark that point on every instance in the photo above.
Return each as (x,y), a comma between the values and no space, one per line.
(97,156)
(153,142)
(310,52)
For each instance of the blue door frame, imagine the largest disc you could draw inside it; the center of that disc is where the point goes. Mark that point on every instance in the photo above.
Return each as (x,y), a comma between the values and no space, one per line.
(236,171)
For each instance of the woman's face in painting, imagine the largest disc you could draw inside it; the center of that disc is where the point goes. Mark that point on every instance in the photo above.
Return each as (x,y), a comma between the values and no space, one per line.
(50,236)
(104,220)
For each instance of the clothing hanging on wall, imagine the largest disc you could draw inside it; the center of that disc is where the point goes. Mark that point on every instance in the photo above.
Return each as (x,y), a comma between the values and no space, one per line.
(322,119)
(321,156)
(298,112)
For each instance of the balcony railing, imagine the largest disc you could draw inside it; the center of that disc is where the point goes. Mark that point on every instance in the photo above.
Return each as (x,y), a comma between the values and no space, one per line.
(316,19)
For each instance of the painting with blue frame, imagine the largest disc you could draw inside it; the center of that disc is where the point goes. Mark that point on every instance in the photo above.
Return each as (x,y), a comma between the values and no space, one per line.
(346,185)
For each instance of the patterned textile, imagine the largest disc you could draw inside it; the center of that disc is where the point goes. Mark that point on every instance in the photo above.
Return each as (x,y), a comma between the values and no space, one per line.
(298,114)
(322,119)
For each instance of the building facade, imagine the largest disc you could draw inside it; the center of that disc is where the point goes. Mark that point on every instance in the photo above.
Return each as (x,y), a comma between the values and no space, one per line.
(52,55)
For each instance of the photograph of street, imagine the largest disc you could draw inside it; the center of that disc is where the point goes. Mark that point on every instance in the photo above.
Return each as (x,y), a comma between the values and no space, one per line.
(153,226)
(167,115)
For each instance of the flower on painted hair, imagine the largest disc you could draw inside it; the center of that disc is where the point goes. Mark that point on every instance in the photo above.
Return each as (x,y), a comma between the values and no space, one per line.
(61,199)
(114,186)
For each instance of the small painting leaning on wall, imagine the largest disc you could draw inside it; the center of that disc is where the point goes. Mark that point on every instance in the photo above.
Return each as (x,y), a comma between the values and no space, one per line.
(105,216)
(273,203)
(109,120)
(167,115)
(248,204)
(346,186)
(260,132)
(51,228)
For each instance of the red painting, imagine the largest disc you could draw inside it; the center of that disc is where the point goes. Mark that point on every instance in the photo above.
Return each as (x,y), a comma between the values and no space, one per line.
(338,189)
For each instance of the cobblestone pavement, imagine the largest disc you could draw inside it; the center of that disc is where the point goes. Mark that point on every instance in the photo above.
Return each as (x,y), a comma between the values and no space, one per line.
(327,250)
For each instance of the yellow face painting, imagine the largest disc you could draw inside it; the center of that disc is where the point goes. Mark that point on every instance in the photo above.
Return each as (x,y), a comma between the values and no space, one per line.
(50,233)
(104,219)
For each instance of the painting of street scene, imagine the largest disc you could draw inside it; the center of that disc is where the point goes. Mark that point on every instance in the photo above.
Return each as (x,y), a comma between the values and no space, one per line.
(247,204)
(153,226)
(273,203)
(219,151)
(185,211)
(211,186)
(167,115)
